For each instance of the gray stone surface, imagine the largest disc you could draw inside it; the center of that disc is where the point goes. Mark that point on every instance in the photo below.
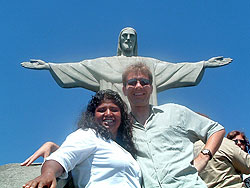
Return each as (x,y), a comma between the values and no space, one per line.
(14,176)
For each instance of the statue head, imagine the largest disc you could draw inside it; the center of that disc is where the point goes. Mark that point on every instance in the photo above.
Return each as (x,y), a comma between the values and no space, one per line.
(127,42)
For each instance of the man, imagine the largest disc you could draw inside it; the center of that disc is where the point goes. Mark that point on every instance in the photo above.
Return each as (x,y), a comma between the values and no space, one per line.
(164,135)
(241,140)
(105,72)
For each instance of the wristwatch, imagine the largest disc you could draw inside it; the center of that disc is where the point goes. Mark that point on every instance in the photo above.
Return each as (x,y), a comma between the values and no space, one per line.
(207,152)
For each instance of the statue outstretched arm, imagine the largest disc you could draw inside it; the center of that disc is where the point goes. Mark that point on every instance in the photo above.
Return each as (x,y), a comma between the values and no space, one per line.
(69,75)
(217,62)
(175,75)
(36,64)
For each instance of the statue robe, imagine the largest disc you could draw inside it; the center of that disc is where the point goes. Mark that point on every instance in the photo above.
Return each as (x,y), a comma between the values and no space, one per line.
(106,73)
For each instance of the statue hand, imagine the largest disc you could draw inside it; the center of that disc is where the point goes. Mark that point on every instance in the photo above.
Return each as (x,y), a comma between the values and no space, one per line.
(217,62)
(36,64)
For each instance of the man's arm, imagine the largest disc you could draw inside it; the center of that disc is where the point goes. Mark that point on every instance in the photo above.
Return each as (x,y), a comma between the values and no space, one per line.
(44,151)
(213,143)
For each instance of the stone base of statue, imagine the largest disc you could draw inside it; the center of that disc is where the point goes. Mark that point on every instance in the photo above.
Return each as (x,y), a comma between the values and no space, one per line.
(14,176)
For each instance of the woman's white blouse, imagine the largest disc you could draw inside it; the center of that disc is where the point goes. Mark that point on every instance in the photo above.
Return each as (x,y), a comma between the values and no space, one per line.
(96,162)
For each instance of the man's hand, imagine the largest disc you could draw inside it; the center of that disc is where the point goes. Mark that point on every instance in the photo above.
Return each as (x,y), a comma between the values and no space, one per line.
(217,62)
(44,151)
(36,64)
(213,143)
(200,162)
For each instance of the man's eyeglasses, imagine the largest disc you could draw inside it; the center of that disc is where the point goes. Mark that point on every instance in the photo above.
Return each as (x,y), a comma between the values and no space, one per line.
(241,141)
(143,81)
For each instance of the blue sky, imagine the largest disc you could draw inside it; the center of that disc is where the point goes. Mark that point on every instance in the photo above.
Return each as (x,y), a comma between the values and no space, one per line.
(34,109)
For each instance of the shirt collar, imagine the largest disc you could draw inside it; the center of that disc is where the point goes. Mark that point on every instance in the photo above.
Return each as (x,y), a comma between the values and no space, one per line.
(153,111)
(156,109)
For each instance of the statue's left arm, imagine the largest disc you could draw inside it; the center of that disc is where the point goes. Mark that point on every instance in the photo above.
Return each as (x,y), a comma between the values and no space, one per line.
(174,75)
(217,62)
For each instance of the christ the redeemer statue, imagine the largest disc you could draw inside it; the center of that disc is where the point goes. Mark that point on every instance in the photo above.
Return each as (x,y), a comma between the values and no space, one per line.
(105,72)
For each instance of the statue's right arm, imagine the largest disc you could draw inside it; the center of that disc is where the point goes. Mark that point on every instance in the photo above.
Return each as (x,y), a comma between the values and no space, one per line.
(36,64)
(50,171)
(44,151)
(83,74)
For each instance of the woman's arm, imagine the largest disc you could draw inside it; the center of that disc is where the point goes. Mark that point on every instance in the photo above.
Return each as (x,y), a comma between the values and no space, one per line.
(50,171)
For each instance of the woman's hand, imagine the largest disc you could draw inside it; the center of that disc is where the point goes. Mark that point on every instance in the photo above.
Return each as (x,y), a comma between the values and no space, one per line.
(46,179)
(50,171)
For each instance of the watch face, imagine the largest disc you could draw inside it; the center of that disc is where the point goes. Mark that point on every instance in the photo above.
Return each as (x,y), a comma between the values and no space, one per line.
(207,152)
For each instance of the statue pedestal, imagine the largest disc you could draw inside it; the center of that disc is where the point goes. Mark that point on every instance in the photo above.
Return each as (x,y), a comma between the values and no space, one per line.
(14,175)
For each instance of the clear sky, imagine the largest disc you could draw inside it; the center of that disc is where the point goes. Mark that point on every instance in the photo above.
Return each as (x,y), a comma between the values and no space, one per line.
(34,109)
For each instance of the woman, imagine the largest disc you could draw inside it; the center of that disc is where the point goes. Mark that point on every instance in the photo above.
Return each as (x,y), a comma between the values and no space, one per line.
(240,140)
(92,151)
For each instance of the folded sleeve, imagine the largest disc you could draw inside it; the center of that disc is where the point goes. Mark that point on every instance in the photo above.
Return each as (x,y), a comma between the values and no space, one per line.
(77,147)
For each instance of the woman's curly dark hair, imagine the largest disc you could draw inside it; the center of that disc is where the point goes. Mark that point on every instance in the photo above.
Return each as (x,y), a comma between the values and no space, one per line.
(233,134)
(124,133)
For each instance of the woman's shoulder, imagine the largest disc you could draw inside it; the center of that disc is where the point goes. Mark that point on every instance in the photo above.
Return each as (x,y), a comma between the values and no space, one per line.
(82,135)
(81,131)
